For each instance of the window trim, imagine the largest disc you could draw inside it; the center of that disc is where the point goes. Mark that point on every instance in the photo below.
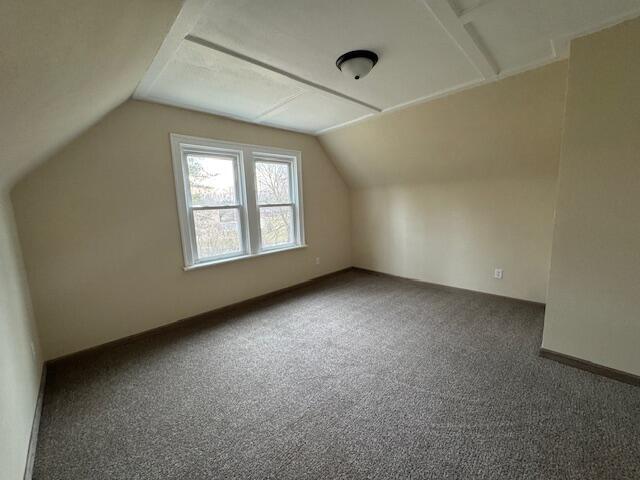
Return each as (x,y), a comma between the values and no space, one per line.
(246,156)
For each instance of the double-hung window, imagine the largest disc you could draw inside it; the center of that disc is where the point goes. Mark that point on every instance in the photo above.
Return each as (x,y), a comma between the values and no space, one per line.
(236,200)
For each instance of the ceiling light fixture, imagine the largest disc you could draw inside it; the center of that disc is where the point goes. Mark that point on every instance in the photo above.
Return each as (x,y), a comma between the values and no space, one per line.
(357,63)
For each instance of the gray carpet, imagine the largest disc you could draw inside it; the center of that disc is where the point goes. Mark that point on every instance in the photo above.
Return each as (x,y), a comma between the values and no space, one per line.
(358,376)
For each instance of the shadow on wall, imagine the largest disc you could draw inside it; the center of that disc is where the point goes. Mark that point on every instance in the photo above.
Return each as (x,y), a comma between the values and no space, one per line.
(20,359)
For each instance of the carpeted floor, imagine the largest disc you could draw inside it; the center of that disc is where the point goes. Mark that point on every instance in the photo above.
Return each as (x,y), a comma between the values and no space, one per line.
(358,376)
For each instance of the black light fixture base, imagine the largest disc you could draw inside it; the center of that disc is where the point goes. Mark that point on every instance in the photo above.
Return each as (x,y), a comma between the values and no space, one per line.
(357,54)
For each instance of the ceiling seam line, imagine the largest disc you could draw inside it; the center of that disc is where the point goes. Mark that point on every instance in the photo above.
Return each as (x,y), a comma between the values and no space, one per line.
(271,68)
(278,106)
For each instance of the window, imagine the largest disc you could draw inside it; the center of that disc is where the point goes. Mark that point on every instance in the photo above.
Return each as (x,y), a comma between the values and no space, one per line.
(234,200)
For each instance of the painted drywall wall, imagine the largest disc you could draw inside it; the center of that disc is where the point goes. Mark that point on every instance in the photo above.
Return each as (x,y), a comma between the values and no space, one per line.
(99,229)
(66,63)
(593,310)
(20,360)
(63,65)
(449,190)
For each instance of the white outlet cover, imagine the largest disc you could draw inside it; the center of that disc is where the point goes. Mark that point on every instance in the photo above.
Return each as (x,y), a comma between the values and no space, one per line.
(497,273)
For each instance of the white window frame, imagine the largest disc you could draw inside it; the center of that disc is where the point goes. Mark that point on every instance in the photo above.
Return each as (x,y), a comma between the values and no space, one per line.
(244,156)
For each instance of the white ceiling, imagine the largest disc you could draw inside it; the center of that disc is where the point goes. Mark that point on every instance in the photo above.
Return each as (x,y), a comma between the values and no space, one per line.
(273,61)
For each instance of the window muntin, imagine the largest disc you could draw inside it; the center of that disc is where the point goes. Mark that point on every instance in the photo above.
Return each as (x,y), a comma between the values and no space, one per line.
(234,200)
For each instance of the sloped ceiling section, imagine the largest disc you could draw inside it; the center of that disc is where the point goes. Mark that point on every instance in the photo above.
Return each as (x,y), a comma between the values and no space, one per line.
(66,63)
(273,61)
(503,129)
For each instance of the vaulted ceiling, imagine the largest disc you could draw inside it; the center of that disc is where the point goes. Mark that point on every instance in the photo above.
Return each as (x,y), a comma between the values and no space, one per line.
(273,61)
(66,63)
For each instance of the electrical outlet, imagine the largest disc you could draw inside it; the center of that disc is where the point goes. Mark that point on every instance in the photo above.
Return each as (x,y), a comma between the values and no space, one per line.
(33,350)
(497,273)
(317,260)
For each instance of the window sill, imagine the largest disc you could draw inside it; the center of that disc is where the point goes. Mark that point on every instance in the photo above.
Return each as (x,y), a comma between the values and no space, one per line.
(198,266)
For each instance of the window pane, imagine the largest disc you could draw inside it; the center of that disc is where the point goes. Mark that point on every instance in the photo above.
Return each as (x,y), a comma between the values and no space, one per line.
(217,232)
(276,225)
(211,180)
(272,182)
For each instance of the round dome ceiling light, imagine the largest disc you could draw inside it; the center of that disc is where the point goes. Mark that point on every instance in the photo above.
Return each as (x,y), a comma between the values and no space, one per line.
(357,64)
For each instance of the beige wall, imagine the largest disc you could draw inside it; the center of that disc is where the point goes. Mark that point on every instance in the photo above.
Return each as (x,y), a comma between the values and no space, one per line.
(593,309)
(65,64)
(99,229)
(449,190)
(20,362)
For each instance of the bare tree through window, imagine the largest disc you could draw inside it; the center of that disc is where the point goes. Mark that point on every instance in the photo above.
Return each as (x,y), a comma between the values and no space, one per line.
(274,199)
(235,200)
(213,184)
